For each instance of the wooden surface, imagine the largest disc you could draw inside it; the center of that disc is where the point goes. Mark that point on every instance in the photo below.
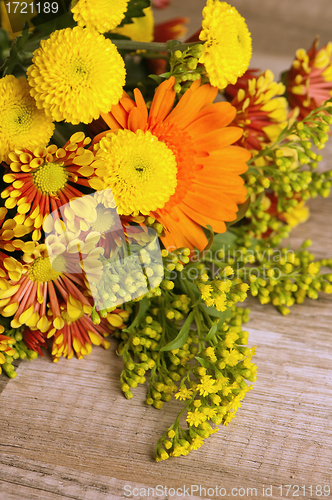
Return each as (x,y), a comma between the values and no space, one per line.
(66,431)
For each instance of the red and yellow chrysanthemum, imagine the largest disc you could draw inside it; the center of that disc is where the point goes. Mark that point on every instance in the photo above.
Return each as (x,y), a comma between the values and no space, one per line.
(179,166)
(261,111)
(43,179)
(29,298)
(77,337)
(309,81)
(9,229)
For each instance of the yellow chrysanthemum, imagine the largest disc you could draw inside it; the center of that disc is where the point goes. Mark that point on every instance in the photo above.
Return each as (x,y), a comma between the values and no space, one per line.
(227,48)
(22,124)
(141,170)
(141,29)
(104,15)
(76,74)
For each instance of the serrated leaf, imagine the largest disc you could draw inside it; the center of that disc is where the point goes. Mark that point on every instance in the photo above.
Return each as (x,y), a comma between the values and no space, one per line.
(135,9)
(16,51)
(181,338)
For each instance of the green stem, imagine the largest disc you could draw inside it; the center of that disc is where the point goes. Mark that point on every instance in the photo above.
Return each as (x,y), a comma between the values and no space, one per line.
(151,46)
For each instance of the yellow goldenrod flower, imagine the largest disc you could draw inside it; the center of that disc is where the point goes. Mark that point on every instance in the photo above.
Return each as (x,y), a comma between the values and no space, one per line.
(104,15)
(206,291)
(196,443)
(76,74)
(141,29)
(227,43)
(184,394)
(209,351)
(206,386)
(22,124)
(195,417)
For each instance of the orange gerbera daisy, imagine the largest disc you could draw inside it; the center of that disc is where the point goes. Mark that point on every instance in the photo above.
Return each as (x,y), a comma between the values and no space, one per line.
(178,166)
(45,178)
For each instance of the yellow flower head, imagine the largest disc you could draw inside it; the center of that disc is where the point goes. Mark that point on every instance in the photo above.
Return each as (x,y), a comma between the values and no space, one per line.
(261,109)
(104,15)
(22,124)
(227,48)
(76,74)
(141,29)
(142,171)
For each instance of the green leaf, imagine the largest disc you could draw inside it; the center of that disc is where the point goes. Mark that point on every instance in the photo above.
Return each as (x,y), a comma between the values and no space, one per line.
(45,26)
(135,9)
(222,240)
(240,213)
(211,311)
(224,315)
(181,339)
(16,53)
(143,307)
(203,362)
(213,330)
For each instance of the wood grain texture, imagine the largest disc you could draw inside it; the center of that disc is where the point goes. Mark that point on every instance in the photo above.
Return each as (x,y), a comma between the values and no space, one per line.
(66,431)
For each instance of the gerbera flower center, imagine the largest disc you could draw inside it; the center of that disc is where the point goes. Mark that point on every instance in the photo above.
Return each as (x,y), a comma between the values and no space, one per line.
(42,271)
(17,119)
(142,171)
(104,221)
(50,178)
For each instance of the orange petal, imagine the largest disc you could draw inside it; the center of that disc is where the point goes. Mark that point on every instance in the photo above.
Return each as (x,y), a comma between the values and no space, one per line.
(162,102)
(219,139)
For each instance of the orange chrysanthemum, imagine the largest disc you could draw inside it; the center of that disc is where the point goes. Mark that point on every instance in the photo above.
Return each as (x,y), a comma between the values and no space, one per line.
(309,81)
(187,172)
(44,179)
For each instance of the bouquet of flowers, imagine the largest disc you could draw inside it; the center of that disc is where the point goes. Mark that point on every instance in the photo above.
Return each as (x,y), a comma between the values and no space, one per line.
(147,185)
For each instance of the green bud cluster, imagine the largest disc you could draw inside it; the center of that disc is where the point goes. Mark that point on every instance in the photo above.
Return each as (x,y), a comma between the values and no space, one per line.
(127,279)
(176,339)
(287,170)
(12,348)
(282,277)
(185,68)
(213,388)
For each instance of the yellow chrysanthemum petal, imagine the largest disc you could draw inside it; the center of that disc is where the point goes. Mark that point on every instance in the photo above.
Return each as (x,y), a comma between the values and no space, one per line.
(227,48)
(141,29)
(104,15)
(66,75)
(22,124)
